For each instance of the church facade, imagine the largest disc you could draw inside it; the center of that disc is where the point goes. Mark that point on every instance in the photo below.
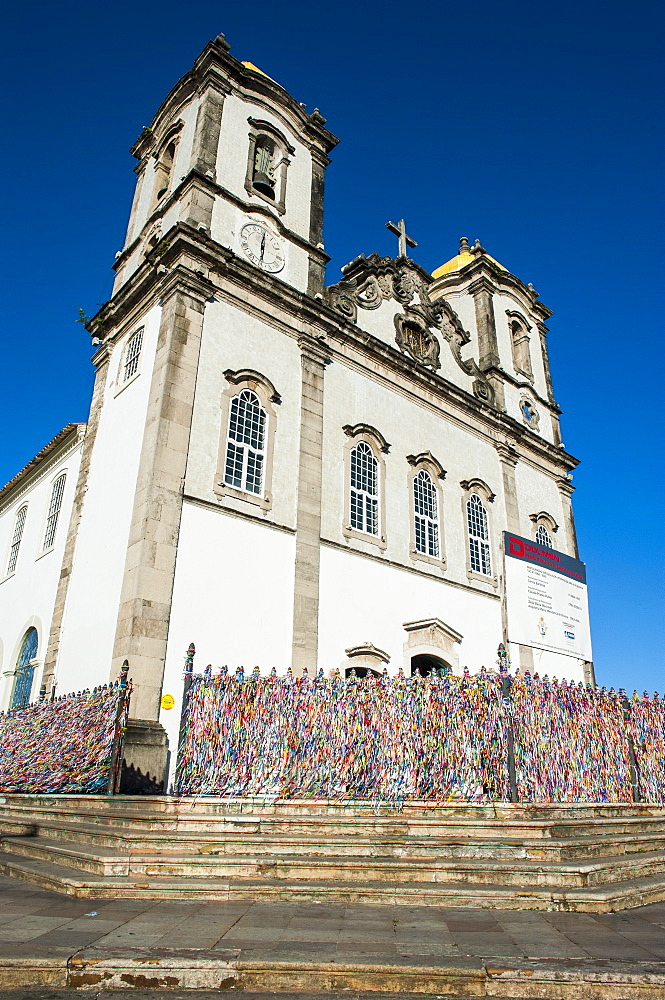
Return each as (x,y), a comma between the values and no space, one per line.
(288,473)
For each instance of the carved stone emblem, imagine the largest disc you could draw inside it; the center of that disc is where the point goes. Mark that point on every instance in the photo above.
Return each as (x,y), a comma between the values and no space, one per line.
(413,336)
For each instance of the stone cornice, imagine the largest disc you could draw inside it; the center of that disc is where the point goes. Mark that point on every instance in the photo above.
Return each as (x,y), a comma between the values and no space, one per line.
(215,67)
(61,445)
(197,178)
(225,273)
(493,278)
(521,384)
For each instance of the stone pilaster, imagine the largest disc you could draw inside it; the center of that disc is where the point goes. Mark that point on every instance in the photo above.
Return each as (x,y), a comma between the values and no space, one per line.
(542,330)
(308,514)
(102,361)
(200,200)
(566,489)
(483,300)
(316,275)
(509,458)
(145,602)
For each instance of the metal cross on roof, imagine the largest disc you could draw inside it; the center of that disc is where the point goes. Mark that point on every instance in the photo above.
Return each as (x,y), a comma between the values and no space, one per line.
(404,241)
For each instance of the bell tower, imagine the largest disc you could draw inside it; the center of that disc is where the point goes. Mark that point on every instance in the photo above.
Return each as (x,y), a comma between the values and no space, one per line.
(231,155)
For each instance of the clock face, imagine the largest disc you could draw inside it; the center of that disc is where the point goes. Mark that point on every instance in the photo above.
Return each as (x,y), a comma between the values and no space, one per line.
(261,247)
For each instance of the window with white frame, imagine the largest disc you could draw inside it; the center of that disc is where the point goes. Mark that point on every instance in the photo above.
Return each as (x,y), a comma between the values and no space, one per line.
(479,536)
(54,508)
(19,525)
(364,499)
(426,514)
(246,443)
(543,537)
(132,355)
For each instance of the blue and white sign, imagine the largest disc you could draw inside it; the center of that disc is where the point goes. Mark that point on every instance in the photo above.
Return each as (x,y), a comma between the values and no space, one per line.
(546,597)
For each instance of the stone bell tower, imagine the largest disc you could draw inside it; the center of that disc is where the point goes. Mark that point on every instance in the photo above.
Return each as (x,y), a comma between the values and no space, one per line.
(229,146)
(228,206)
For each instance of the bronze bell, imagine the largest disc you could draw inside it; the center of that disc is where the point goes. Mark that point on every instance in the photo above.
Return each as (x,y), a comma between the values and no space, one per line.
(263,184)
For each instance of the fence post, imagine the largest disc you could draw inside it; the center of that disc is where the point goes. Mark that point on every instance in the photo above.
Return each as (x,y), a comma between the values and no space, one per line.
(186,685)
(506,684)
(634,768)
(118,737)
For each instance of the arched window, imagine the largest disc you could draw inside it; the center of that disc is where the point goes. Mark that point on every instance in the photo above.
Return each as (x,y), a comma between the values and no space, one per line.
(267,163)
(426,514)
(543,537)
(263,176)
(479,536)
(132,355)
(364,490)
(520,345)
(54,507)
(245,445)
(25,668)
(19,525)
(164,169)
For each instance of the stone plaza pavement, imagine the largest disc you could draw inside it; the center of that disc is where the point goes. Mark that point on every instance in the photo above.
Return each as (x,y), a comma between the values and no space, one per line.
(303,949)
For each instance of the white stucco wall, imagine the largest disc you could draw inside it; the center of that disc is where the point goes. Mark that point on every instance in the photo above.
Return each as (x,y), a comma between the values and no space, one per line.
(363,600)
(233,339)
(91,612)
(27,596)
(232,597)
(411,427)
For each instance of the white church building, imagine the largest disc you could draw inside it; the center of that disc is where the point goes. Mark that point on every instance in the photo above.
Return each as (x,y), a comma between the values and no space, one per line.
(288,474)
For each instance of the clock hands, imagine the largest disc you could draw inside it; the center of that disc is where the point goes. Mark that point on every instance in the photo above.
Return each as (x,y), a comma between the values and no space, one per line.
(263,244)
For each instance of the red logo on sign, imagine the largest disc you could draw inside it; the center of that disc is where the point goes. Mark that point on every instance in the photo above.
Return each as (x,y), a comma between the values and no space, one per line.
(516,547)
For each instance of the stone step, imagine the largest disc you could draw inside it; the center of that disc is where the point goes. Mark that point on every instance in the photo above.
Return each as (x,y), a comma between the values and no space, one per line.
(109,862)
(461,822)
(157,842)
(596,899)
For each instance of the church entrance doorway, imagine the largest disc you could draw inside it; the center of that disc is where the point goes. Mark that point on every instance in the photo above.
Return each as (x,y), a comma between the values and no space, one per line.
(425,664)
(25,669)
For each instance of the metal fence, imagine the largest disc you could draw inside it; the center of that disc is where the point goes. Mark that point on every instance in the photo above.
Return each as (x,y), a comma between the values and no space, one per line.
(72,744)
(480,737)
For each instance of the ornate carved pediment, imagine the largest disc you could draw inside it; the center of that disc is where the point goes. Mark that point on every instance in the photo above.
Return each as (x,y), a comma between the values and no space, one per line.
(370,281)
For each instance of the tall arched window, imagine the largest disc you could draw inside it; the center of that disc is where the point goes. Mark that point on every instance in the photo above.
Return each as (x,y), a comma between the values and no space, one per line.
(19,525)
(543,537)
(479,536)
(364,490)
(426,514)
(132,355)
(245,445)
(164,169)
(54,507)
(25,669)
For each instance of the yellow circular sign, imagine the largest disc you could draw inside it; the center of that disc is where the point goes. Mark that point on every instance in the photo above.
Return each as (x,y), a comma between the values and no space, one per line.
(168,701)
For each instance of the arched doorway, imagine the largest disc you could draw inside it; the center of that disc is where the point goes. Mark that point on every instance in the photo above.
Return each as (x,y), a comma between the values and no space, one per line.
(426,664)
(362,672)
(25,668)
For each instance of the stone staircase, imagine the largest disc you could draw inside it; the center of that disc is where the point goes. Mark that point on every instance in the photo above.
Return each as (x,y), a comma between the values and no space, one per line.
(567,856)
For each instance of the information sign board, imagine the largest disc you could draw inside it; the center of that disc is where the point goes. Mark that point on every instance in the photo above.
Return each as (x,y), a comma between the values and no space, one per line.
(546,596)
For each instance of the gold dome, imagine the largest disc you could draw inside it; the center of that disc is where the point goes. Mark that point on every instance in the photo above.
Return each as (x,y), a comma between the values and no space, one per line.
(464,257)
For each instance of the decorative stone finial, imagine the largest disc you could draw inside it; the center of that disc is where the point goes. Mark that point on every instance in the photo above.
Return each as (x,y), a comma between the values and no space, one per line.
(478,248)
(464,245)
(222,42)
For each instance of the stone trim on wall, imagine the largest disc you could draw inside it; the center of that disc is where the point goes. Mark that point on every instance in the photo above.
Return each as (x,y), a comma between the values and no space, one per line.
(147,588)
(305,639)
(268,395)
(437,474)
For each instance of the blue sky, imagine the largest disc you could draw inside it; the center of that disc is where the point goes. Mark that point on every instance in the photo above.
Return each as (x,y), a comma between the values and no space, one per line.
(536,127)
